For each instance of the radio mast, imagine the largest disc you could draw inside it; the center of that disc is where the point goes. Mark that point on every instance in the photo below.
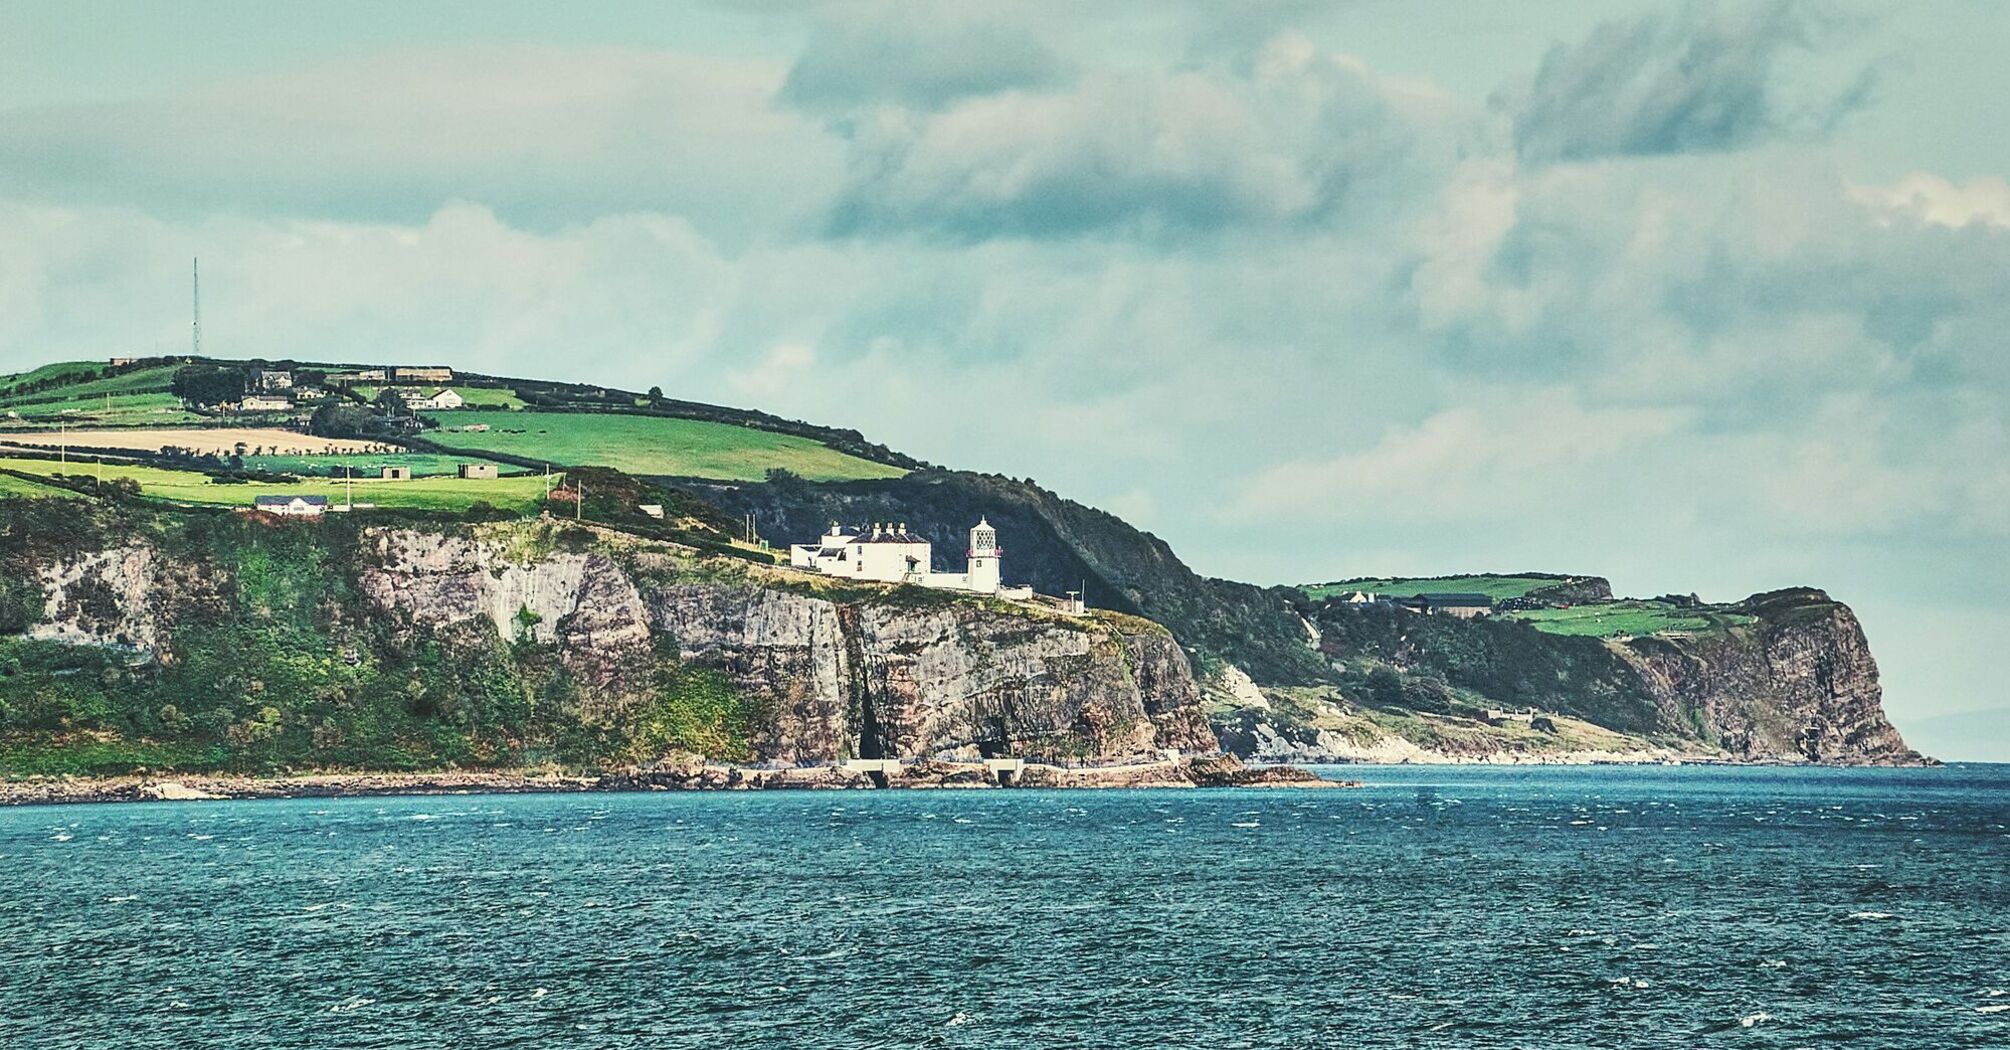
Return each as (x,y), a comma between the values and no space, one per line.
(195,284)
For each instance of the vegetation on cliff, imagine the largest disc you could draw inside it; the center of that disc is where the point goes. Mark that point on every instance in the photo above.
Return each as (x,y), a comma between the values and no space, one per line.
(270,658)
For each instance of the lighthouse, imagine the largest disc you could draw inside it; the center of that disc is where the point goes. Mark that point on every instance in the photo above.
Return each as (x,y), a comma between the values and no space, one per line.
(984,555)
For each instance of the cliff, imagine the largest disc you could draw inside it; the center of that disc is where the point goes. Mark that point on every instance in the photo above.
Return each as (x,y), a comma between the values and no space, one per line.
(1789,677)
(214,642)
(1780,677)
(1055,544)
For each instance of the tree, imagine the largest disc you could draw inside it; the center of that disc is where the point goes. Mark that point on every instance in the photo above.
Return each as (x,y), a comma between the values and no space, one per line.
(208,384)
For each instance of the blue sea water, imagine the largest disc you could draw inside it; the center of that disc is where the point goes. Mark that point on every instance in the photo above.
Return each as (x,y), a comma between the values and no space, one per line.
(1437,907)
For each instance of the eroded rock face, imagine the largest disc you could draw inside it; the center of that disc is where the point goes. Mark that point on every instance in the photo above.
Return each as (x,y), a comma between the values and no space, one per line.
(1798,684)
(101,598)
(880,678)
(582,602)
(875,674)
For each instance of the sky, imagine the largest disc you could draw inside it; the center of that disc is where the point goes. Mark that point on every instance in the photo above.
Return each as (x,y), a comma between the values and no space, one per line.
(1705,298)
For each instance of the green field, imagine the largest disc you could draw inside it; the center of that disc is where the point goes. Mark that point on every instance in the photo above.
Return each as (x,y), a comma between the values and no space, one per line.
(521,494)
(139,381)
(157,409)
(1626,618)
(13,486)
(1495,587)
(422,464)
(652,445)
(475,396)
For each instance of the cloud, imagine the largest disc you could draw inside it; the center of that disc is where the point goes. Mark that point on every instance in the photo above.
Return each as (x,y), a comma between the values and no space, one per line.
(1516,453)
(1296,139)
(919,56)
(1701,80)
(544,136)
(627,298)
(1927,197)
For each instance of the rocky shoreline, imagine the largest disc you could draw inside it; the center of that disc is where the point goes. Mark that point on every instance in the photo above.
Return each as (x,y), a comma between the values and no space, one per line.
(1198,772)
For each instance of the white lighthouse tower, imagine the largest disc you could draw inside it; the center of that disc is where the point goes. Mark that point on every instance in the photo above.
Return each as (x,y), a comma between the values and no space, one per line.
(984,555)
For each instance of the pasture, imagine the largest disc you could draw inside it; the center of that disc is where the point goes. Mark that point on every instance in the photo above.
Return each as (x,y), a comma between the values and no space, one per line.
(1626,618)
(421,464)
(520,494)
(652,445)
(13,486)
(158,409)
(137,381)
(1495,587)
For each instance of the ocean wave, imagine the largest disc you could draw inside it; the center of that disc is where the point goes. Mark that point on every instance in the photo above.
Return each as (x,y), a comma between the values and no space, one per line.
(1749,1020)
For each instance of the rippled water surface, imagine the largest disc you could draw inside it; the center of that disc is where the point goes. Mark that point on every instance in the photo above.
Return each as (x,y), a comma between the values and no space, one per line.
(1437,907)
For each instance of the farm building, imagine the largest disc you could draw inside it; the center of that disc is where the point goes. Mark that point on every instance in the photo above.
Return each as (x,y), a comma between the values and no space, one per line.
(395,474)
(438,399)
(262,403)
(423,375)
(1463,606)
(292,506)
(477,470)
(888,553)
(270,379)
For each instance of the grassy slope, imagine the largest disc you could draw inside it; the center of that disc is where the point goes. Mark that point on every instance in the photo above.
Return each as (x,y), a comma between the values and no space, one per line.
(1626,618)
(186,486)
(1495,587)
(143,380)
(422,464)
(155,409)
(652,445)
(13,486)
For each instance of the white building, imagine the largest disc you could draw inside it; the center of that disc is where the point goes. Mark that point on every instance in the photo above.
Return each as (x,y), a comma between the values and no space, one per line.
(436,401)
(262,403)
(270,379)
(888,553)
(292,506)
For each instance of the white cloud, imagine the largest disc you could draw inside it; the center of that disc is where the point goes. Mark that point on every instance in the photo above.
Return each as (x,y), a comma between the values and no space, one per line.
(1942,202)
(1513,453)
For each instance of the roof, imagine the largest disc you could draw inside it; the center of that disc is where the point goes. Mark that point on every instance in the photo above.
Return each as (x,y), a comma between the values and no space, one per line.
(1458,599)
(281,501)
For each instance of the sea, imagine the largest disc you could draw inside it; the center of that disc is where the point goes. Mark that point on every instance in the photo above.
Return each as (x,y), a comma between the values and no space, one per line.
(1434,907)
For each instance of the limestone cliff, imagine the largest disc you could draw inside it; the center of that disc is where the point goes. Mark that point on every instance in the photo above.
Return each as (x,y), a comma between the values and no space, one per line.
(216,642)
(1786,677)
(834,670)
(1798,683)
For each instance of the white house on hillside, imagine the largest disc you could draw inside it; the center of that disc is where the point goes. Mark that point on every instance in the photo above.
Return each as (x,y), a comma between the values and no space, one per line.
(439,399)
(888,553)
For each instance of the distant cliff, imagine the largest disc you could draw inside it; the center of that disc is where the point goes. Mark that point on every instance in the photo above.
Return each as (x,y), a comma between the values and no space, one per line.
(1788,676)
(210,641)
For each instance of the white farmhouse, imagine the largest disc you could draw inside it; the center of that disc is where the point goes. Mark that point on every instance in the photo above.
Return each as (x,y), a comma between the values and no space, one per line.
(888,553)
(438,400)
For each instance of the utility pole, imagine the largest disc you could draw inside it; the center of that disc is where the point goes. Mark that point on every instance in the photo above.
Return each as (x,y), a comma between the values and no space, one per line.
(579,499)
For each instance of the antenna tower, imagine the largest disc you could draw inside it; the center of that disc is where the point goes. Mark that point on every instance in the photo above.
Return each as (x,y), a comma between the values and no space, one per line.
(195,286)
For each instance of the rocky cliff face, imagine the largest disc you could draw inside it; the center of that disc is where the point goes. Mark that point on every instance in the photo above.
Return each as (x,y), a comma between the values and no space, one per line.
(1798,683)
(1789,679)
(852,671)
